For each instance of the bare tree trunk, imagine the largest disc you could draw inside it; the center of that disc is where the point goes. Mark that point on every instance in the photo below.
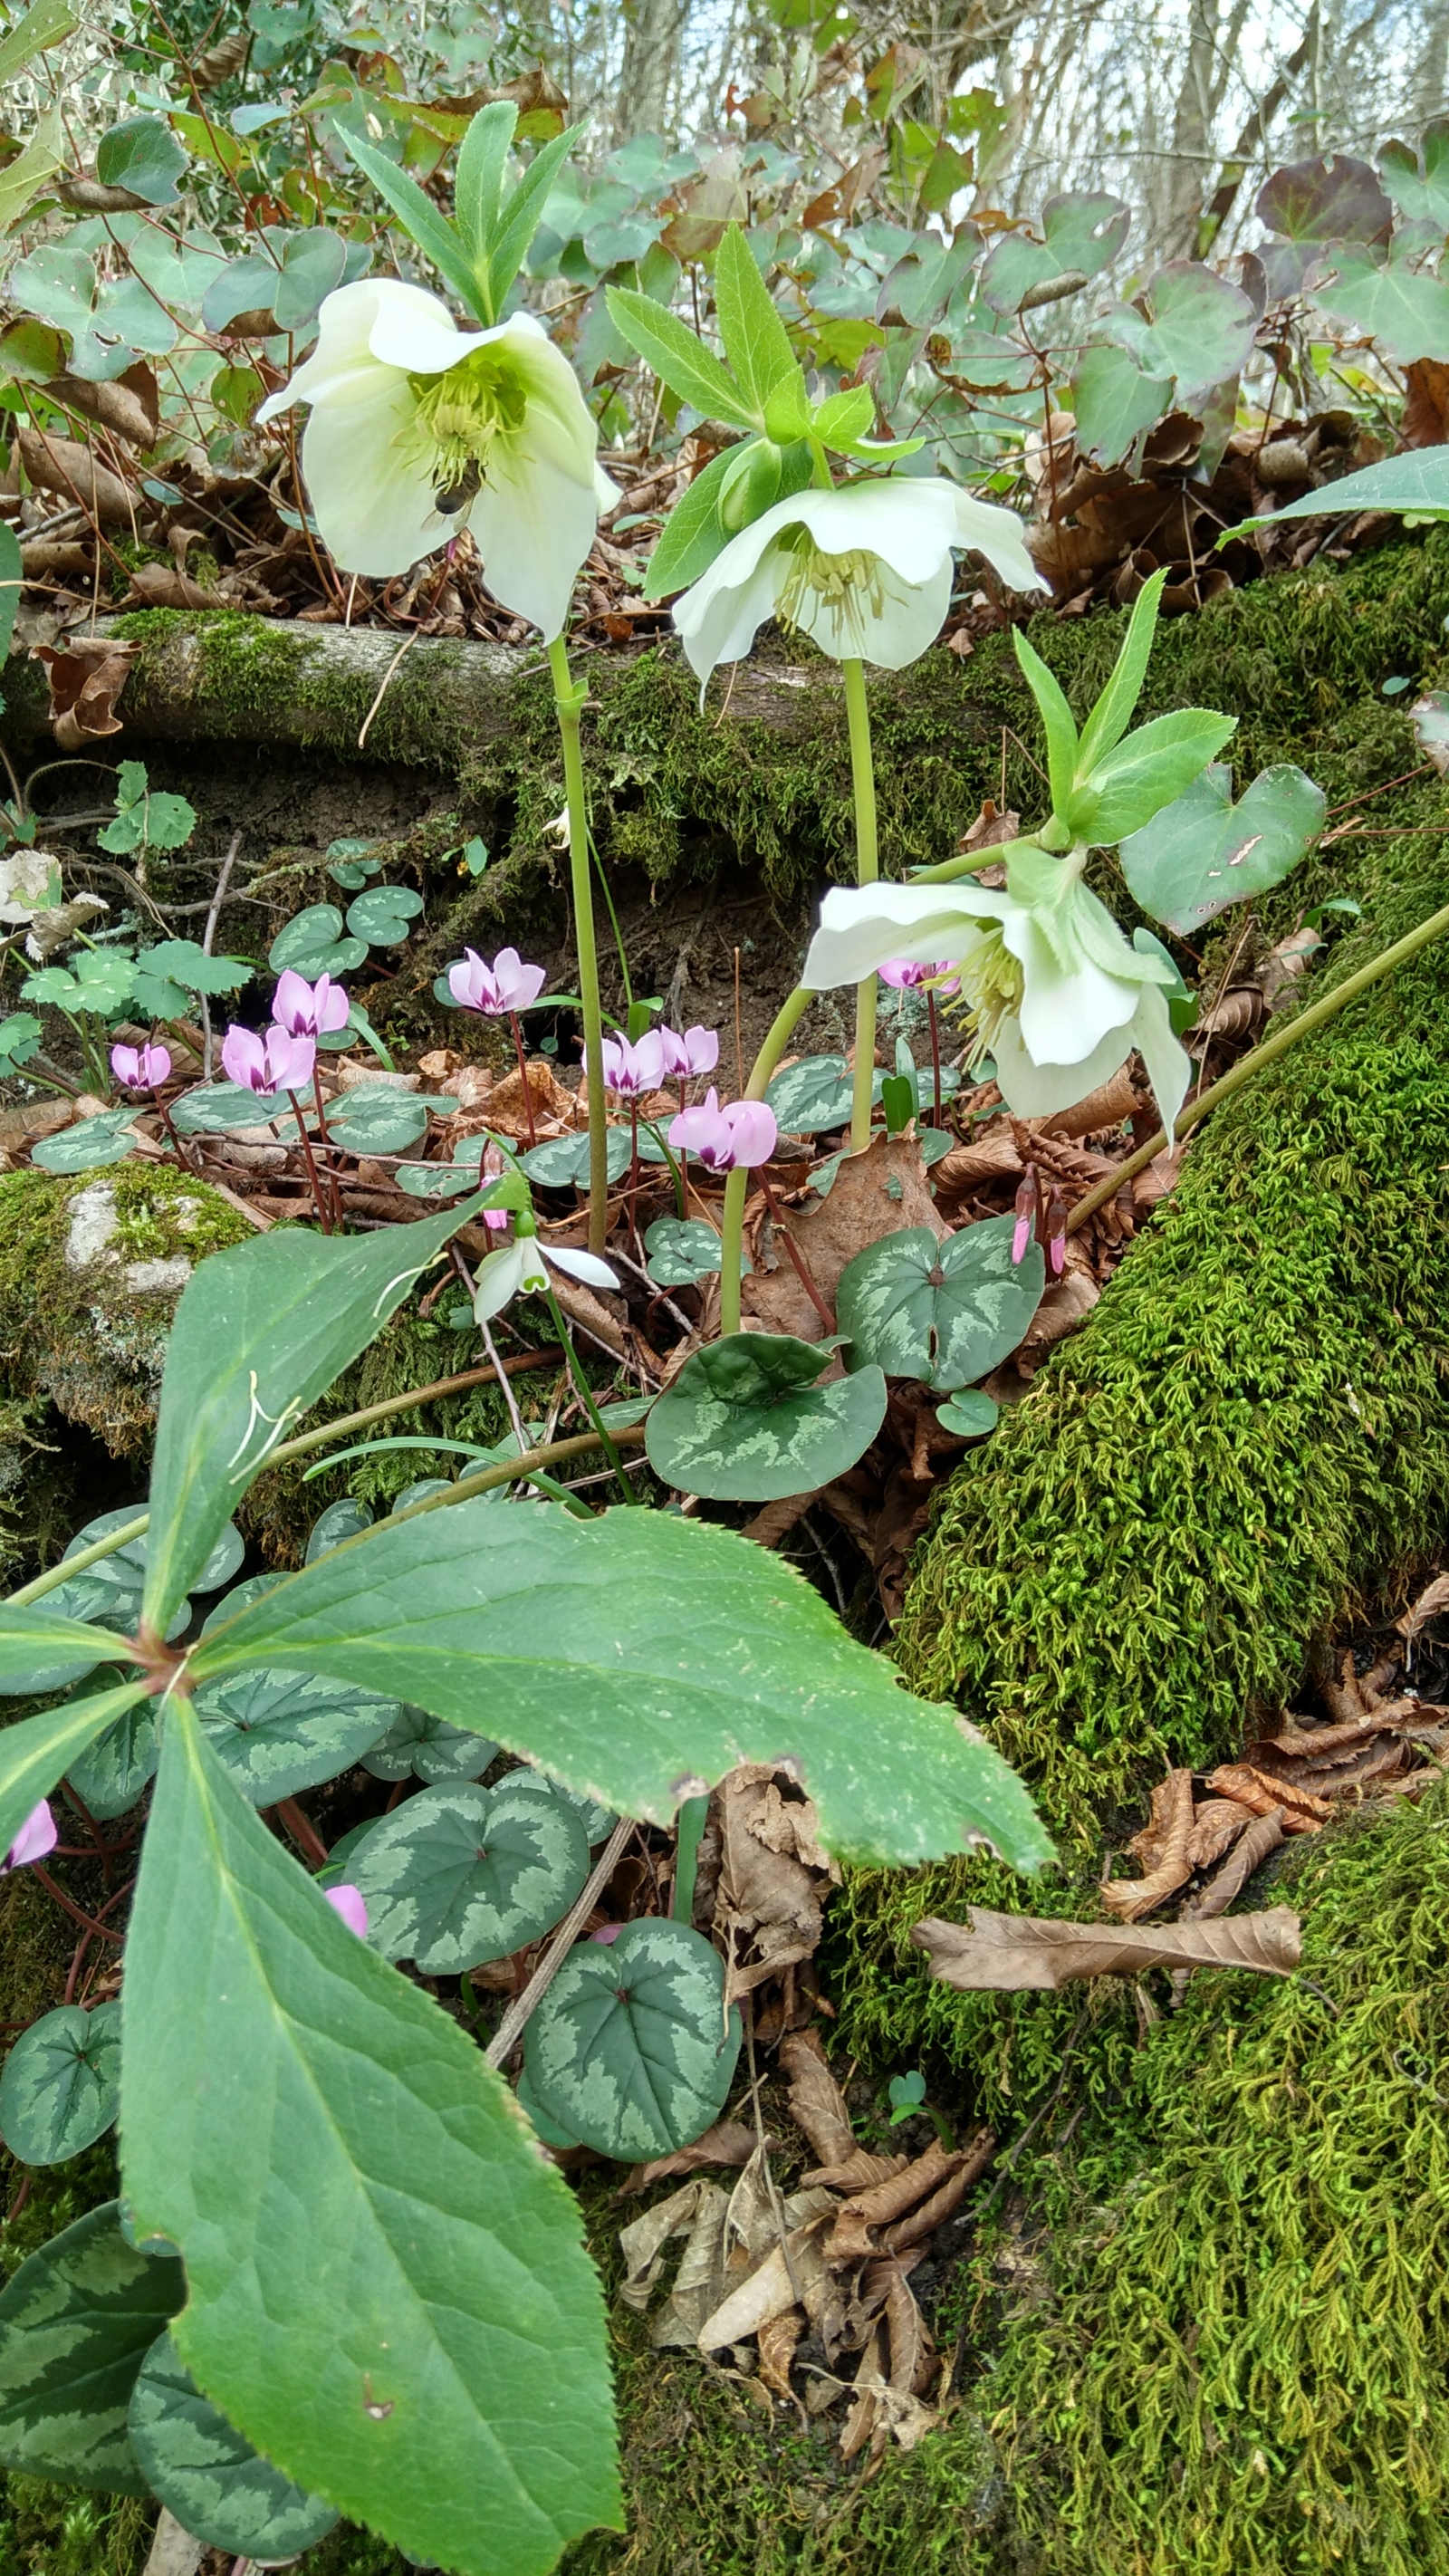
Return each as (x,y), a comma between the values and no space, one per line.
(653,29)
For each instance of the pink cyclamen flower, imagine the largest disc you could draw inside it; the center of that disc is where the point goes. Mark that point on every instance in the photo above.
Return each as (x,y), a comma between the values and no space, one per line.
(907,975)
(1026,1208)
(632,1070)
(141,1068)
(734,1138)
(491,1169)
(308,1010)
(497,990)
(37,1836)
(351,1904)
(696,1052)
(276,1062)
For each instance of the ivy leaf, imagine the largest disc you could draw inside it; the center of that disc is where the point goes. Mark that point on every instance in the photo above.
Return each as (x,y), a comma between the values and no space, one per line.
(76,2323)
(630,1654)
(1390,298)
(1114,402)
(1198,328)
(462,1874)
(219,2489)
(1418,181)
(946,1313)
(260,1332)
(1202,852)
(631,2051)
(61,2085)
(744,1421)
(279,1732)
(388,2292)
(141,153)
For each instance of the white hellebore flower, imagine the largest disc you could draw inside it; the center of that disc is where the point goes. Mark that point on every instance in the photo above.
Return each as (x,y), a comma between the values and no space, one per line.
(1056,993)
(520,1267)
(864,569)
(418,429)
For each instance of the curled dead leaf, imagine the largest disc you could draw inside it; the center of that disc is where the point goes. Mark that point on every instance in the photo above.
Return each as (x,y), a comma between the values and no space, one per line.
(1163,1849)
(817,2105)
(1021,1953)
(1262,1836)
(64,466)
(729,2142)
(87,674)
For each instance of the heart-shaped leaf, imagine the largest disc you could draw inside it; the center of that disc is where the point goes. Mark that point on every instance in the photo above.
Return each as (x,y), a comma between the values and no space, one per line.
(461,1874)
(141,153)
(1198,328)
(565,1160)
(744,1421)
(682,1251)
(418,1746)
(971,1415)
(630,2050)
(216,2485)
(76,2323)
(106,1138)
(381,915)
(1202,853)
(312,944)
(946,1313)
(1389,297)
(375,1118)
(811,1095)
(61,2085)
(218,1108)
(280,1732)
(111,1774)
(1114,402)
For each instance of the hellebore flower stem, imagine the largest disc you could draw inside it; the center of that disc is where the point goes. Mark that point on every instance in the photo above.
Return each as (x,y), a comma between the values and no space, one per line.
(732,1221)
(867,870)
(568,699)
(1278,1044)
(586,1398)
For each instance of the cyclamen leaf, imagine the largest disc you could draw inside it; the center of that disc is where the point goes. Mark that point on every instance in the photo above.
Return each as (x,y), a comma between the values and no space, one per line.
(388,2292)
(92,1142)
(216,2485)
(61,2085)
(947,1313)
(638,1657)
(418,1746)
(744,1422)
(260,1332)
(110,1775)
(462,1874)
(279,1732)
(813,1094)
(76,2323)
(631,2051)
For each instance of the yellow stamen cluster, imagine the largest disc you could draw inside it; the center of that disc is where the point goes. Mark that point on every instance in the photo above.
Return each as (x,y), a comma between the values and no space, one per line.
(844,583)
(992,986)
(460,413)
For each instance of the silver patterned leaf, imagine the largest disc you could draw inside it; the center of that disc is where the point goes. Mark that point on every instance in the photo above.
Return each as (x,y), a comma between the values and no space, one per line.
(279,1732)
(76,2323)
(420,1747)
(462,1874)
(946,1313)
(630,2050)
(216,2485)
(60,2088)
(563,1161)
(111,1773)
(744,1421)
(811,1095)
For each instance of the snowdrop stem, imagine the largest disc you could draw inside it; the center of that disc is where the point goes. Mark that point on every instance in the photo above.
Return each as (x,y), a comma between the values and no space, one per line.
(1268,1053)
(867,869)
(732,1220)
(586,1398)
(568,698)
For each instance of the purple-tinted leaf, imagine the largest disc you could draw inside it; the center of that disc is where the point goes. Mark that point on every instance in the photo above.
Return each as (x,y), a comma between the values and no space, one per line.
(1331,197)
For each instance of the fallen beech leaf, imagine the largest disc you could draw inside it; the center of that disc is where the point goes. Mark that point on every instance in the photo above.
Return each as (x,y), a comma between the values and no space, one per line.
(1218,1823)
(992,1157)
(1302,1812)
(920,2223)
(700,2282)
(817,2105)
(87,674)
(912,2345)
(1105,1107)
(991,828)
(777,2350)
(65,467)
(1019,1953)
(155,585)
(1165,1855)
(777,2284)
(860,2172)
(1263,1836)
(729,2142)
(642,2242)
(870,2386)
(776,1520)
(1433,1599)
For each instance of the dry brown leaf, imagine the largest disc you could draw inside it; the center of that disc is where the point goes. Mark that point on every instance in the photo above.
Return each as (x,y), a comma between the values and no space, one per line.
(729,2142)
(1263,1836)
(87,674)
(860,2172)
(767,1897)
(779,2281)
(1163,1849)
(65,467)
(643,2241)
(777,1519)
(1105,1107)
(1218,1823)
(859,1210)
(912,2346)
(155,585)
(777,2342)
(1063,1309)
(817,2105)
(1260,1790)
(1020,1953)
(995,1156)
(870,2382)
(917,2186)
(1432,1600)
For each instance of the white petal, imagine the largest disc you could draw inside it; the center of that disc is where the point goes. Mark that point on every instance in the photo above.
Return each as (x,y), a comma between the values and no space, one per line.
(370,478)
(606,491)
(498,1277)
(720,625)
(583,1265)
(908,521)
(415,331)
(998,535)
(344,340)
(906,624)
(1064,1015)
(1035,1090)
(862,927)
(533,526)
(1169,1066)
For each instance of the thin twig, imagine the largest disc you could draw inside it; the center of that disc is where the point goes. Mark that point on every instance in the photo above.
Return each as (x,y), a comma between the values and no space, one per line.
(207,936)
(505,2039)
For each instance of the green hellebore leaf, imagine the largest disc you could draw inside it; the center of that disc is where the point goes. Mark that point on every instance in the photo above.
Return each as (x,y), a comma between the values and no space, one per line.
(630,2048)
(679,357)
(374,1118)
(418,1746)
(946,1313)
(564,1160)
(1117,704)
(259,1332)
(388,2294)
(280,1732)
(381,915)
(312,944)
(86,1147)
(970,1414)
(421,221)
(744,1423)
(1158,762)
(110,1775)
(216,2485)
(1058,722)
(811,1095)
(1417,481)
(76,2323)
(461,1874)
(682,1251)
(61,2085)
(1202,853)
(756,342)
(563,1630)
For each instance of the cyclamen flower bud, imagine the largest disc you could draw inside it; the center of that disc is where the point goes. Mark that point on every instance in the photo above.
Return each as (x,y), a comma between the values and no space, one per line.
(37,1838)
(1026,1205)
(350,1903)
